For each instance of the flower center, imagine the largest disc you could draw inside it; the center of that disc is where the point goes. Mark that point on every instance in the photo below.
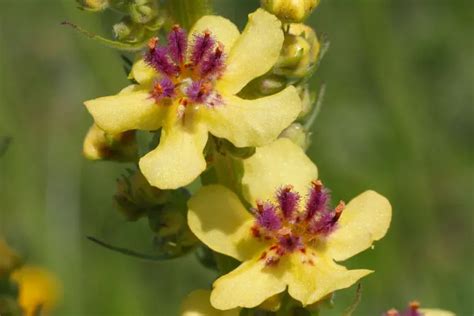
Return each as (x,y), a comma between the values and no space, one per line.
(187,71)
(292,227)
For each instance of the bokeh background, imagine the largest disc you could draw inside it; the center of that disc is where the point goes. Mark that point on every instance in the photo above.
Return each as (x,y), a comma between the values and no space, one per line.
(397,117)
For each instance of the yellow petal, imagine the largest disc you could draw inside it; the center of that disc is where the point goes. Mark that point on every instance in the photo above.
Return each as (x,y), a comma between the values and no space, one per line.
(142,73)
(248,285)
(253,122)
(365,219)
(132,109)
(275,165)
(218,218)
(222,29)
(254,53)
(435,312)
(178,160)
(310,283)
(197,304)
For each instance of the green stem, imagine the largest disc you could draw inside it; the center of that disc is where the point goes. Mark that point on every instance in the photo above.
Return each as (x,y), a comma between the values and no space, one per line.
(132,253)
(105,41)
(187,12)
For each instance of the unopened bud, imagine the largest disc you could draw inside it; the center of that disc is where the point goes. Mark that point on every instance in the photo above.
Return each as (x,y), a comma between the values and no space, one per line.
(267,84)
(225,147)
(93,5)
(99,145)
(271,304)
(135,196)
(143,11)
(166,222)
(299,53)
(297,134)
(290,10)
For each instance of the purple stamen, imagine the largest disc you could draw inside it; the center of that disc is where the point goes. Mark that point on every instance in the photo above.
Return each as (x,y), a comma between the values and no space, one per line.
(213,64)
(202,47)
(326,222)
(288,201)
(317,201)
(157,57)
(163,89)
(168,87)
(324,225)
(268,218)
(177,44)
(198,92)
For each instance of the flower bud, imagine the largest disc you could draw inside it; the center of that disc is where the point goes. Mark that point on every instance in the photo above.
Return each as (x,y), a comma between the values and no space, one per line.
(267,84)
(271,304)
(135,196)
(99,145)
(93,5)
(299,53)
(290,10)
(166,222)
(225,147)
(143,11)
(297,134)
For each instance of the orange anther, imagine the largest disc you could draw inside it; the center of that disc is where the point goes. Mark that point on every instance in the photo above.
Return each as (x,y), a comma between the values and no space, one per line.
(152,42)
(317,184)
(414,305)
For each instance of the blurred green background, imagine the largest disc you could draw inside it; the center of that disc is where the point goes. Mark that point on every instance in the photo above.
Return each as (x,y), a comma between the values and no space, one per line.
(397,118)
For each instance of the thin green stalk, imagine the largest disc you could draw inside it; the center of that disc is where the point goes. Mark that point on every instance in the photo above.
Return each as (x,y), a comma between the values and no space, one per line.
(187,12)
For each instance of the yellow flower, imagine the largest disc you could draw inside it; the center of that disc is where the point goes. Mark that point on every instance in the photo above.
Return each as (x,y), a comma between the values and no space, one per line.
(39,290)
(189,89)
(292,239)
(197,304)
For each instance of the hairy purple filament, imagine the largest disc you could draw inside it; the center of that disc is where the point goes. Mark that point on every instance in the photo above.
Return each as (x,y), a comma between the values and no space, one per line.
(190,81)
(163,89)
(203,45)
(317,201)
(290,228)
(177,44)
(288,201)
(267,217)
